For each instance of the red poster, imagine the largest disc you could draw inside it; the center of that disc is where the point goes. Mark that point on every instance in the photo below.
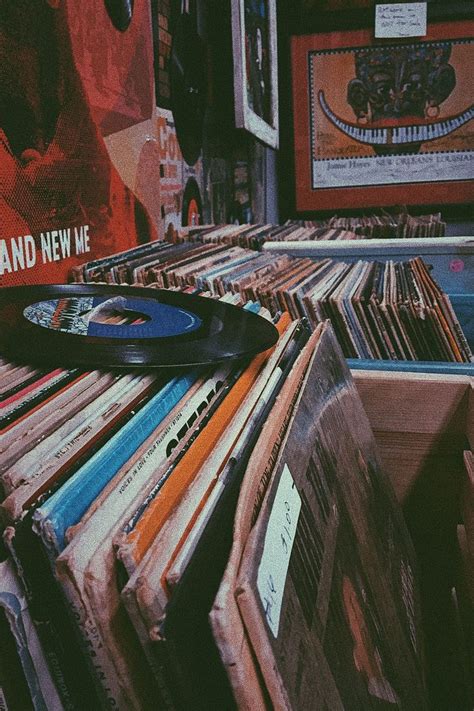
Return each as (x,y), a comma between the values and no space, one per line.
(72,80)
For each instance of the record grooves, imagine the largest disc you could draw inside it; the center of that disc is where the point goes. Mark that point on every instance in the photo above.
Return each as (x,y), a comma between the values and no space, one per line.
(188,86)
(49,324)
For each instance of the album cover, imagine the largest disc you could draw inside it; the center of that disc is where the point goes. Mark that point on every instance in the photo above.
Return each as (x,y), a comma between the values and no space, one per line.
(254,43)
(77,85)
(96,131)
(139,539)
(228,484)
(144,453)
(384,310)
(50,414)
(57,633)
(183,646)
(226,623)
(67,506)
(39,394)
(50,616)
(116,660)
(13,604)
(342,589)
(75,434)
(55,457)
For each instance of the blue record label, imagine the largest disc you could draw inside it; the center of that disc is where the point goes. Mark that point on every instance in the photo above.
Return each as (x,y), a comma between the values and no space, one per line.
(76,315)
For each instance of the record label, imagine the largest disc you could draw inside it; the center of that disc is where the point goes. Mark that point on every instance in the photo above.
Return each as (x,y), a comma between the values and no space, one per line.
(95,326)
(76,316)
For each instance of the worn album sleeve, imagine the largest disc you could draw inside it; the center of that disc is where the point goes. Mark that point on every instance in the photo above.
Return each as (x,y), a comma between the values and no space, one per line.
(42,691)
(327,585)
(230,636)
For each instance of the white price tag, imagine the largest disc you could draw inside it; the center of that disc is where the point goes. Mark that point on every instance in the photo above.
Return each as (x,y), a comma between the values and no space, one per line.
(279,539)
(401,20)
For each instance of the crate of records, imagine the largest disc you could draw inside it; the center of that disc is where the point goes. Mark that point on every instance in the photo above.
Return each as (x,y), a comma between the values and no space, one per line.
(252,534)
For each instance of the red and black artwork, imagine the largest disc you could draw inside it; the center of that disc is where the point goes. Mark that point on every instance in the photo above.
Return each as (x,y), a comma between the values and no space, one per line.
(69,80)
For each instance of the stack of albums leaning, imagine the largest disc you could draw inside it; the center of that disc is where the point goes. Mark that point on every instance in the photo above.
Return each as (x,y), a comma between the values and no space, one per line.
(169,536)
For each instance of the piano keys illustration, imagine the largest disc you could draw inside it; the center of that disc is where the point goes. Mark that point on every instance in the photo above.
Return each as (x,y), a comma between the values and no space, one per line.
(398,135)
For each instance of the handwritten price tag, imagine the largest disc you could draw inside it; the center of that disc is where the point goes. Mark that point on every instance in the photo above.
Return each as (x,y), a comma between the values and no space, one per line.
(401,20)
(279,539)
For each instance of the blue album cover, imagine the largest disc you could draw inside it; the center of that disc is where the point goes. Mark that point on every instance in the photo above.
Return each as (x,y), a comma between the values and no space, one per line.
(67,505)
(253,306)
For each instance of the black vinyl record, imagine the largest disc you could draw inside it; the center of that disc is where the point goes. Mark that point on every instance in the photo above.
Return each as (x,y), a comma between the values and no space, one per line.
(188,77)
(120,12)
(92,325)
(191,214)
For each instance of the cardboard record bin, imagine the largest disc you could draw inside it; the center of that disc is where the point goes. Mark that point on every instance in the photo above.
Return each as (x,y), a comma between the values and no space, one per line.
(423,424)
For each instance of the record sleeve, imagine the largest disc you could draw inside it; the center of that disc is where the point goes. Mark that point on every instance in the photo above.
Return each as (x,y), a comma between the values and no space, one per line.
(35,474)
(39,423)
(391,310)
(35,399)
(43,692)
(342,588)
(231,477)
(65,444)
(51,618)
(15,394)
(228,631)
(178,527)
(66,507)
(182,641)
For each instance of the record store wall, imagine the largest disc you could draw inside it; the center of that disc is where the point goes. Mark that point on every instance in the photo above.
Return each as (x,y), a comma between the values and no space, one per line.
(116,125)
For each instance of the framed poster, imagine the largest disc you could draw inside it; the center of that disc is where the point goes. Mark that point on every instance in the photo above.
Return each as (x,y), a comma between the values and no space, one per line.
(256,68)
(383,122)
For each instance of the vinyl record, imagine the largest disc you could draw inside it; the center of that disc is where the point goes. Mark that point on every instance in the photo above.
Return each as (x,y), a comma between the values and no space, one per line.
(78,325)
(188,79)
(191,213)
(120,12)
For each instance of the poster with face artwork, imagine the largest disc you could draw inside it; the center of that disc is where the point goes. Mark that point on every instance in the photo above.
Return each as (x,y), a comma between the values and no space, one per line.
(383,122)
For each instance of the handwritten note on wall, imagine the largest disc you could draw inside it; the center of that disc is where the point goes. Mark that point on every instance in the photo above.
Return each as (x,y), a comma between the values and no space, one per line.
(401,20)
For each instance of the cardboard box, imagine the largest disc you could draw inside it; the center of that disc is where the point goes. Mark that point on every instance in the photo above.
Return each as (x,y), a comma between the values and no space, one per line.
(422,424)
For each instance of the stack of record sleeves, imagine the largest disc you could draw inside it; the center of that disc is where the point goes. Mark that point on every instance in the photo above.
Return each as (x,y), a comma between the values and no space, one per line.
(254,236)
(387,226)
(170,533)
(382,226)
(383,310)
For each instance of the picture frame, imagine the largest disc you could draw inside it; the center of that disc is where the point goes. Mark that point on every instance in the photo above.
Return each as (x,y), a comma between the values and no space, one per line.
(353,150)
(254,43)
